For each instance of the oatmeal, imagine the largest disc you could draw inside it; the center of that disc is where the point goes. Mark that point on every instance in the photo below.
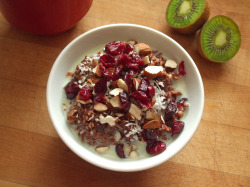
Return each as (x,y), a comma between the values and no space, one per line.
(123,97)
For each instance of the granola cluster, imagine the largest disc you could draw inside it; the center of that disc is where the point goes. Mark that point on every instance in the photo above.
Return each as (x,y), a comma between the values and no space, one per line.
(124,94)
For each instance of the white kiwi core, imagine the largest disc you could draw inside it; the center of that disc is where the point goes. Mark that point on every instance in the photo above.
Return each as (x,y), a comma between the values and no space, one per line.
(221,39)
(185,7)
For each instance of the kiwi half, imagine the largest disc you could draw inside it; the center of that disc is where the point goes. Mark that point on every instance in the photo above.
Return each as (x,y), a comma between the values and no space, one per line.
(219,39)
(187,16)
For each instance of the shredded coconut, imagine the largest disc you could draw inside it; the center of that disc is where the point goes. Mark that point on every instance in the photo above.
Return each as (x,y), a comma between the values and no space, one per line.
(160,99)
(135,128)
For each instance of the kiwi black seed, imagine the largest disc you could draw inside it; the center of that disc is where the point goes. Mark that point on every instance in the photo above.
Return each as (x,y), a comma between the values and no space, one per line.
(219,40)
(187,16)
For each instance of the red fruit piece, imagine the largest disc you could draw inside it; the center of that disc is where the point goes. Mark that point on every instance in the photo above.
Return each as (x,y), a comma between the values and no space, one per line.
(156,148)
(177,127)
(99,98)
(85,93)
(116,74)
(105,73)
(115,48)
(107,60)
(128,48)
(124,59)
(142,99)
(119,150)
(71,89)
(182,69)
(136,59)
(124,99)
(129,79)
(101,86)
(151,91)
(133,67)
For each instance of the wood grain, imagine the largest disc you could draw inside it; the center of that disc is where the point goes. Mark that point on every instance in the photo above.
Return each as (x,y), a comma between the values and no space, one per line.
(32,154)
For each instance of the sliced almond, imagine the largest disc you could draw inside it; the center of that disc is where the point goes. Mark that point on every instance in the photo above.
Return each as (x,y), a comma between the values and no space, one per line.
(151,114)
(133,154)
(97,71)
(84,102)
(153,71)
(100,107)
(144,49)
(108,119)
(153,124)
(117,136)
(170,64)
(135,111)
(146,60)
(115,102)
(122,84)
(116,91)
(136,82)
(81,101)
(101,149)
(94,63)
(119,114)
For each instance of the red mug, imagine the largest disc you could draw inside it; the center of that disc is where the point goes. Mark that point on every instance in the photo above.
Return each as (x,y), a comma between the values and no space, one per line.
(44,16)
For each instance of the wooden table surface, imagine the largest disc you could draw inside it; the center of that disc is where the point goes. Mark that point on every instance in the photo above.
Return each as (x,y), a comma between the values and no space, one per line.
(31,152)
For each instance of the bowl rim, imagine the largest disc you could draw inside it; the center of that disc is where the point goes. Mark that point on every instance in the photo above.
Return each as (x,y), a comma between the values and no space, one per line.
(122,166)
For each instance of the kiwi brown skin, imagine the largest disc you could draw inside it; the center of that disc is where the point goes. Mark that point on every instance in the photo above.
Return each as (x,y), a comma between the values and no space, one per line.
(200,49)
(190,29)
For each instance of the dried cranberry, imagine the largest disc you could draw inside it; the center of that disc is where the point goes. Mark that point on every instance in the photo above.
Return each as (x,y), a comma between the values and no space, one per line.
(116,74)
(71,89)
(142,99)
(124,59)
(177,127)
(85,93)
(170,110)
(137,60)
(143,86)
(101,86)
(115,48)
(105,73)
(107,60)
(128,48)
(133,67)
(129,79)
(124,99)
(151,91)
(99,98)
(182,69)
(156,148)
(119,150)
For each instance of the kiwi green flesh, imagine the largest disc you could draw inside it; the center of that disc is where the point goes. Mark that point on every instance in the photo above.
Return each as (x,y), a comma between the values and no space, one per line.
(182,13)
(220,39)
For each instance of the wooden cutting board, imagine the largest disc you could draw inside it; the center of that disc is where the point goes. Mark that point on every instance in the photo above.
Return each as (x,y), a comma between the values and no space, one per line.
(32,154)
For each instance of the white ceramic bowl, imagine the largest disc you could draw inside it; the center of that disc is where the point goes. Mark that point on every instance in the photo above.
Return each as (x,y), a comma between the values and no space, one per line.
(91,41)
